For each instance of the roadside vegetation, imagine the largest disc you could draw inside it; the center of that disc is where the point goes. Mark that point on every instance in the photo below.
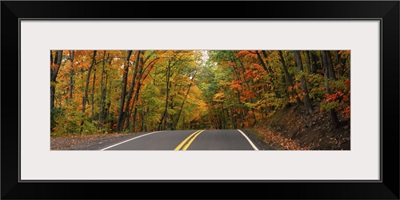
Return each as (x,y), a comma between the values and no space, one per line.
(290,99)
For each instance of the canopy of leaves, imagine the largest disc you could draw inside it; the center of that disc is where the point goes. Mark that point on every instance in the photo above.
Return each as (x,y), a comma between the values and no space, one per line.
(191,89)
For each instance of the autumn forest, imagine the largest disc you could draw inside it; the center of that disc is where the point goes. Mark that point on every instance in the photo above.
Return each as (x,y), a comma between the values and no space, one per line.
(287,93)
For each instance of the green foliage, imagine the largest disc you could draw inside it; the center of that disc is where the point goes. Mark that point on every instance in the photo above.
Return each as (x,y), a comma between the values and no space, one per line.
(273,101)
(68,123)
(89,127)
(231,89)
(317,87)
(55,113)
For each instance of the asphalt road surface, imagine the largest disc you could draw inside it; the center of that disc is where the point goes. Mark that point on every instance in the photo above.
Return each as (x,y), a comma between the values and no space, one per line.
(183,140)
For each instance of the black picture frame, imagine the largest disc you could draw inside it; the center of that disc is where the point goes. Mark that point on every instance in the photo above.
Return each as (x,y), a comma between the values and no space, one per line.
(13,11)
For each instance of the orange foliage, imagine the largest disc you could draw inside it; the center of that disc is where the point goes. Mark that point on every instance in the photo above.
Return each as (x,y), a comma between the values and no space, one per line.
(236,85)
(242,53)
(334,96)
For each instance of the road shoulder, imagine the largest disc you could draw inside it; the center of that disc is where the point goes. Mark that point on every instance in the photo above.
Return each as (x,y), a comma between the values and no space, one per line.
(260,144)
(89,142)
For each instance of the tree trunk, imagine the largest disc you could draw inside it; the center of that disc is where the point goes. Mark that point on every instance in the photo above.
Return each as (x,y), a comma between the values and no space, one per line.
(132,86)
(306,98)
(142,120)
(123,92)
(184,100)
(285,82)
(327,76)
(240,111)
(169,120)
(71,74)
(331,71)
(108,102)
(264,53)
(85,97)
(288,77)
(105,110)
(163,118)
(233,118)
(309,63)
(136,98)
(56,64)
(93,88)
(140,77)
(313,62)
(339,63)
(262,62)
(102,89)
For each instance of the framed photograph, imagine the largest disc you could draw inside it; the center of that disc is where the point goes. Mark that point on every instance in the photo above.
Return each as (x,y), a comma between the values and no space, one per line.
(300,98)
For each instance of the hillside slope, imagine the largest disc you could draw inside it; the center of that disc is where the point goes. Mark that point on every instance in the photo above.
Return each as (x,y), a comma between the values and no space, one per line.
(291,129)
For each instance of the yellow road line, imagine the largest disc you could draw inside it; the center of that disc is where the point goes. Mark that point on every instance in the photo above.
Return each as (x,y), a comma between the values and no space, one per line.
(184,141)
(191,140)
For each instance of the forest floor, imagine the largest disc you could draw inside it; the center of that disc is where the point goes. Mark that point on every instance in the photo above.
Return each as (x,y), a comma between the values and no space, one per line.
(89,142)
(291,129)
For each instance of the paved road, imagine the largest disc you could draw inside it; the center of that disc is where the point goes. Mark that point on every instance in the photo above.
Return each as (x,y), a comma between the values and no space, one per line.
(188,140)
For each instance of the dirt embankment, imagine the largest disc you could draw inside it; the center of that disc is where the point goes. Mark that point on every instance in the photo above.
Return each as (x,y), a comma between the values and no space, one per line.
(291,129)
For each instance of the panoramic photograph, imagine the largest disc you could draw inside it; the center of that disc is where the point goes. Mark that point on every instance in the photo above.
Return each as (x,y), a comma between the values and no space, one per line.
(183,100)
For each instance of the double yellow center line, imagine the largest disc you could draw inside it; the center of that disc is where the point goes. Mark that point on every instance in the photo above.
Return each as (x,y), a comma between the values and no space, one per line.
(188,141)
